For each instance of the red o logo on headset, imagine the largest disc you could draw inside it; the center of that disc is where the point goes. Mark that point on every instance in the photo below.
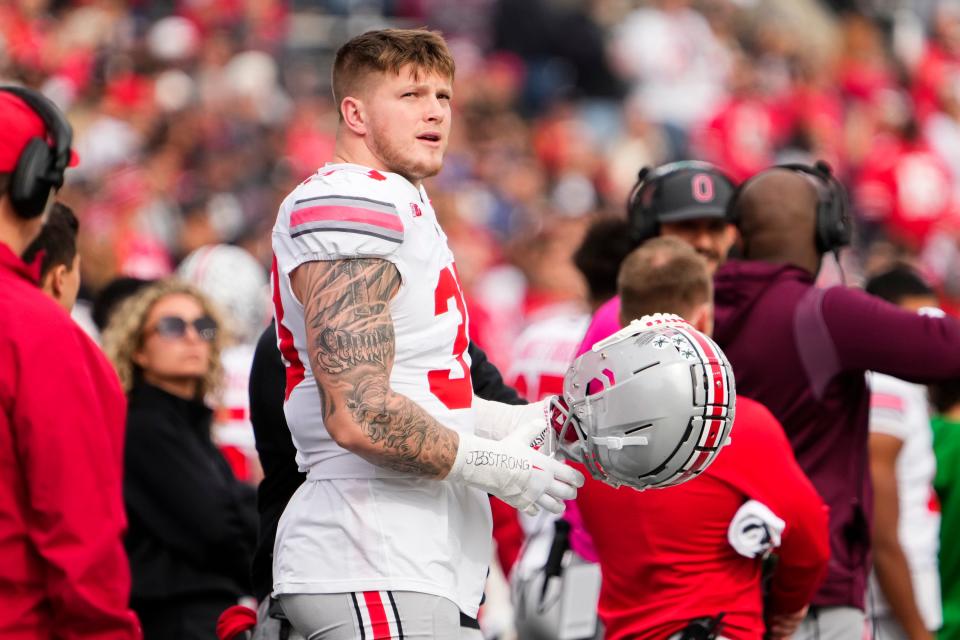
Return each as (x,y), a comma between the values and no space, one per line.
(702,185)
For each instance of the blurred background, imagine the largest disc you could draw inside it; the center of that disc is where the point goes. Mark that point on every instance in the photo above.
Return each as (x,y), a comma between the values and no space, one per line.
(193,118)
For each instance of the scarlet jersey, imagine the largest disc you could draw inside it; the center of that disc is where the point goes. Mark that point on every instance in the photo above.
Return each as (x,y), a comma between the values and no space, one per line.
(666,555)
(907,187)
(355,526)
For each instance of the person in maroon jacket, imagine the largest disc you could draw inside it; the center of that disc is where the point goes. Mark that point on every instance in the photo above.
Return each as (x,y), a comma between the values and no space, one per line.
(680,560)
(803,352)
(64,570)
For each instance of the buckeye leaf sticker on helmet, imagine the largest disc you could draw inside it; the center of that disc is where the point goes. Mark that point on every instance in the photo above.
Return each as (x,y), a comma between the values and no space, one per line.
(650,406)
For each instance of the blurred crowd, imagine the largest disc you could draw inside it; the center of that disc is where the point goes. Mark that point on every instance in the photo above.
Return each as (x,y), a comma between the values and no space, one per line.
(194,117)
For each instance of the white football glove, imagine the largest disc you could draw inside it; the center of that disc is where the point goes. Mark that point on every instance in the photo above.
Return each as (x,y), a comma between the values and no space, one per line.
(497,420)
(516,473)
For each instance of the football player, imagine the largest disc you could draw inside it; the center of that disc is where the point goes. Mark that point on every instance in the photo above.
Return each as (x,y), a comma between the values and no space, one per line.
(390,535)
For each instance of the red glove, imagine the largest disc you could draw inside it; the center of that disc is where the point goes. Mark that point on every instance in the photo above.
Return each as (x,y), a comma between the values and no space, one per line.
(235,621)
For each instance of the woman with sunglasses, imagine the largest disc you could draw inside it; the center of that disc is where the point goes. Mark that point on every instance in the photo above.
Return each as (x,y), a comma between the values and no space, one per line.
(192,525)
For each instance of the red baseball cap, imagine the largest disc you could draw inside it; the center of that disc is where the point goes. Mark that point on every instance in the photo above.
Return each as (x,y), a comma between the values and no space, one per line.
(20,123)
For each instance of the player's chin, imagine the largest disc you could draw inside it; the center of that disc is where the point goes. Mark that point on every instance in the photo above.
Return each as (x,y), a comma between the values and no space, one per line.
(427,169)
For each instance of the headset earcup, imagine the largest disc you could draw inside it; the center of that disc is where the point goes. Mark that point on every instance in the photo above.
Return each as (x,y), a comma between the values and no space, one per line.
(642,221)
(29,185)
(643,226)
(833,223)
(823,229)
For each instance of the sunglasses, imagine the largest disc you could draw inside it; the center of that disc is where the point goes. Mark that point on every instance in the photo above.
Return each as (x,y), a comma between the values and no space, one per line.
(176,327)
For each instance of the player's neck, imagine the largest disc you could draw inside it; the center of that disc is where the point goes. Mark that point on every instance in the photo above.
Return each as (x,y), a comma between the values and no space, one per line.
(355,151)
(352,149)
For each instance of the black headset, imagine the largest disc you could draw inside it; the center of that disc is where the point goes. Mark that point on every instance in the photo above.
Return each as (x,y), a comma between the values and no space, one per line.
(640,212)
(41,164)
(833,226)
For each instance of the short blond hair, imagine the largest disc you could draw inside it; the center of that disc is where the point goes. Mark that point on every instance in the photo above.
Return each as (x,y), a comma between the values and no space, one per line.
(124,334)
(663,275)
(389,50)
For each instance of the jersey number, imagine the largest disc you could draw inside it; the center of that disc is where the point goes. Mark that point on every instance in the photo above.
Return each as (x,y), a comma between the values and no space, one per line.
(454,393)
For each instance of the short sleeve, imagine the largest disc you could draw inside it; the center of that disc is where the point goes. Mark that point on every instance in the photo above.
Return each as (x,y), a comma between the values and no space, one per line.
(890,405)
(331,219)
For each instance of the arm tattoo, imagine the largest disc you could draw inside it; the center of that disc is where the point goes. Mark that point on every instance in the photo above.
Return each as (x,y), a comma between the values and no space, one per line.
(351,343)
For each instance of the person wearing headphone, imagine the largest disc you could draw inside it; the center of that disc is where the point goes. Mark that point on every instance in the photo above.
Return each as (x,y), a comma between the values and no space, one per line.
(686,200)
(65,573)
(802,351)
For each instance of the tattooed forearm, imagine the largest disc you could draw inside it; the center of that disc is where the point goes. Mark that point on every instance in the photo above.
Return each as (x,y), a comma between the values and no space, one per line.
(411,440)
(351,338)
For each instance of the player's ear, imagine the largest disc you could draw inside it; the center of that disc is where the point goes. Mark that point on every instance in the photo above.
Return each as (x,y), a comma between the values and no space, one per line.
(354,115)
(702,318)
(56,278)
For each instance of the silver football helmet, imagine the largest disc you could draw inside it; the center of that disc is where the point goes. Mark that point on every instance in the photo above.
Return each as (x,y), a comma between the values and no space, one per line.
(236,282)
(650,406)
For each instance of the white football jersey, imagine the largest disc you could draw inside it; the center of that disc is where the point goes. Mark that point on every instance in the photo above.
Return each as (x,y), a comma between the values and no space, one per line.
(356,526)
(544,350)
(900,409)
(231,417)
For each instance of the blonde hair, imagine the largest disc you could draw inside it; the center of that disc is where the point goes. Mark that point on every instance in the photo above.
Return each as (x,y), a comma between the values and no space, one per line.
(389,50)
(663,275)
(123,335)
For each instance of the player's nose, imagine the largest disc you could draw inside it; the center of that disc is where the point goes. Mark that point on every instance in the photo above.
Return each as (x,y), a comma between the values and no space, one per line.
(434,111)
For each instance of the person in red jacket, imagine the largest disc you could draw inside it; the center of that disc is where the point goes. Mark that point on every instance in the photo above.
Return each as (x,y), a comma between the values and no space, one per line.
(64,570)
(692,556)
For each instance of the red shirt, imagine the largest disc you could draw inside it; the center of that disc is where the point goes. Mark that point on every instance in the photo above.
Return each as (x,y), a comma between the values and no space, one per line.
(64,571)
(907,187)
(664,553)
(742,136)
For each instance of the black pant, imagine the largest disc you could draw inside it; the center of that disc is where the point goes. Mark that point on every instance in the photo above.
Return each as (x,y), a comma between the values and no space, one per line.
(183,619)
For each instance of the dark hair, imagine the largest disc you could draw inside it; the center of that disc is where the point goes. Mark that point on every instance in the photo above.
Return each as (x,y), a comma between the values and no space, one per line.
(663,275)
(605,245)
(116,291)
(944,396)
(388,50)
(4,182)
(898,283)
(57,240)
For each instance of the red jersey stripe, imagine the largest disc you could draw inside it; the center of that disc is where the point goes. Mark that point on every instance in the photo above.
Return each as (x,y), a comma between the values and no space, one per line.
(886,401)
(327,213)
(294,369)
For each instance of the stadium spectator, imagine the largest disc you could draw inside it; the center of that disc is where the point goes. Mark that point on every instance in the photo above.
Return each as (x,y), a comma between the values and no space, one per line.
(237,284)
(192,523)
(64,567)
(904,598)
(56,249)
(803,352)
